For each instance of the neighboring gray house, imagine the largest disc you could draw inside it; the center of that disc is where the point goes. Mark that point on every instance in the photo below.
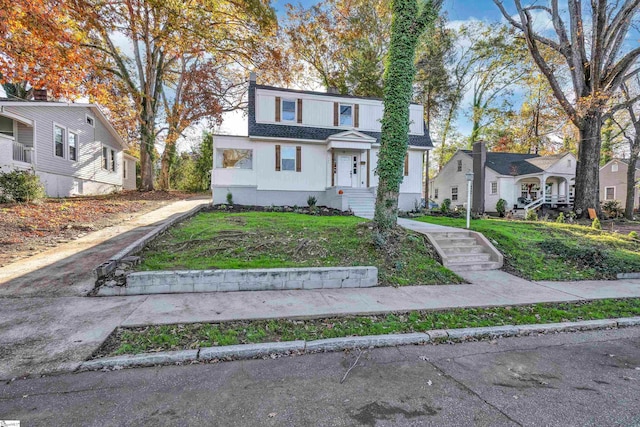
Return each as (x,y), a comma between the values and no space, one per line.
(613,182)
(516,178)
(71,147)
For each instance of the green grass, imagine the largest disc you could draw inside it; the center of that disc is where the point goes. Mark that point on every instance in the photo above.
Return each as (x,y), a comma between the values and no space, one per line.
(190,336)
(220,240)
(551,251)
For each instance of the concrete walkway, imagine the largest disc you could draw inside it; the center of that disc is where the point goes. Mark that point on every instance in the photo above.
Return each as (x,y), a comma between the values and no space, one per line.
(66,269)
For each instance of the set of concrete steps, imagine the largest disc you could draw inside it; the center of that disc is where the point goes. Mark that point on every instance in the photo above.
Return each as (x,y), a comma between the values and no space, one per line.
(361,201)
(465,250)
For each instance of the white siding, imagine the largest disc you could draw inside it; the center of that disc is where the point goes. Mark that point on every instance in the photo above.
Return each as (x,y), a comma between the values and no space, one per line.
(266,108)
(565,166)
(129,183)
(370,117)
(450,177)
(317,112)
(416,120)
(413,182)
(490,200)
(233,177)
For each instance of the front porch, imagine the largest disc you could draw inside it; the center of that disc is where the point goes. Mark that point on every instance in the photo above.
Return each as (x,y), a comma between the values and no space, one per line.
(16,141)
(546,191)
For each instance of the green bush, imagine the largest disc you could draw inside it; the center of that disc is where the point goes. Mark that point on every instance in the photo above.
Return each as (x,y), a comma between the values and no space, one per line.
(532,215)
(445,207)
(20,186)
(560,219)
(501,207)
(596,224)
(229,198)
(633,235)
(613,209)
(311,201)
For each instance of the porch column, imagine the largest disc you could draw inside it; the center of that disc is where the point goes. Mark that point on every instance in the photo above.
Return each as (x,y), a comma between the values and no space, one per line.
(544,188)
(333,165)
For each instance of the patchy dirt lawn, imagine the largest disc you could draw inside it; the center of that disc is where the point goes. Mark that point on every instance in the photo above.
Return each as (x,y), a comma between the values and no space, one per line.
(26,229)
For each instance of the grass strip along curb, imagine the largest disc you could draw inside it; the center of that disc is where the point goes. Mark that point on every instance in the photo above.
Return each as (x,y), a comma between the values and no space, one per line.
(249,351)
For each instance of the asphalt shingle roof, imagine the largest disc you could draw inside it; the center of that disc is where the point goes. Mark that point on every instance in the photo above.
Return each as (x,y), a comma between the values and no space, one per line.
(517,163)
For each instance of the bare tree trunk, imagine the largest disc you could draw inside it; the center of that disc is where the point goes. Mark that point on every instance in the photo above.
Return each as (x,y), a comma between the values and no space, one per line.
(168,158)
(147,144)
(587,193)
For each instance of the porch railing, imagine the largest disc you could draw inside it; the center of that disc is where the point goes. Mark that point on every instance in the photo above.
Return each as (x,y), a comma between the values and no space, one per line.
(22,153)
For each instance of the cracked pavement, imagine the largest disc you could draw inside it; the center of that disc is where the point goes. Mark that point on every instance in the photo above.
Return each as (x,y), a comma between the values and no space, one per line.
(580,378)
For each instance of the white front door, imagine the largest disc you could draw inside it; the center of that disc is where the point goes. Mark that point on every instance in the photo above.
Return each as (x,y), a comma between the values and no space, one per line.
(344,171)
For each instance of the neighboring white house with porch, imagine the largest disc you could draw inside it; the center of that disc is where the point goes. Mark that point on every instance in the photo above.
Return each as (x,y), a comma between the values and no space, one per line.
(524,181)
(303,143)
(72,147)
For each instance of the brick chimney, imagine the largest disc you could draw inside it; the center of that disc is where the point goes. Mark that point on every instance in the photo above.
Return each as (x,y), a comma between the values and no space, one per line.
(333,90)
(40,95)
(479,160)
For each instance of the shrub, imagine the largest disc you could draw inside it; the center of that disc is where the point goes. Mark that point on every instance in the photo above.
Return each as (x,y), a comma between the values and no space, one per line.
(445,207)
(501,207)
(229,198)
(633,235)
(21,186)
(560,219)
(596,224)
(532,215)
(311,201)
(571,216)
(613,209)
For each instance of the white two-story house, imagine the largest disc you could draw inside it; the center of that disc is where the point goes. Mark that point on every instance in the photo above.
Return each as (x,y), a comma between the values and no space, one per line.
(72,147)
(303,143)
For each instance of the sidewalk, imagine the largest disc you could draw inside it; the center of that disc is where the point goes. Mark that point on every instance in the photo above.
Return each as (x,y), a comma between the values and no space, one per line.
(57,334)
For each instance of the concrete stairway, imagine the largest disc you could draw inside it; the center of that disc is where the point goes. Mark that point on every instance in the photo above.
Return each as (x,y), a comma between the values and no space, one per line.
(465,250)
(361,201)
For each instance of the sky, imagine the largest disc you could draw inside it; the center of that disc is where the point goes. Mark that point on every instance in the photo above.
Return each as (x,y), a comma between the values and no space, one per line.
(458,12)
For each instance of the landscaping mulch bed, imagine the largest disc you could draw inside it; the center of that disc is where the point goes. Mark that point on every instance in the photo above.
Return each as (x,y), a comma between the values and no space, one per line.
(306,210)
(27,229)
(198,335)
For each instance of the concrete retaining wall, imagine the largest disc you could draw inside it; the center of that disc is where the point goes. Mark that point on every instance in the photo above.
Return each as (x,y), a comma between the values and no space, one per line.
(169,282)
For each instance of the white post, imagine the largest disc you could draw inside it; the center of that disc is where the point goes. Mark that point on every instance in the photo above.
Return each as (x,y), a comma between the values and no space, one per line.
(469,176)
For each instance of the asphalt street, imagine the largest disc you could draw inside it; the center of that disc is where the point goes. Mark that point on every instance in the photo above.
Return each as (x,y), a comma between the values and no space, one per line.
(580,378)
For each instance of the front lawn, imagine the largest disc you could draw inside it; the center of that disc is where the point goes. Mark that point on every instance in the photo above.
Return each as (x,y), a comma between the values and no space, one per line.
(222,240)
(197,335)
(552,251)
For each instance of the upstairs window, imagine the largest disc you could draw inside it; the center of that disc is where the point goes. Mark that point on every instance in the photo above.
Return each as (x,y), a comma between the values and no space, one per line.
(459,165)
(90,120)
(346,115)
(454,193)
(113,160)
(6,127)
(73,146)
(288,110)
(435,193)
(58,140)
(614,168)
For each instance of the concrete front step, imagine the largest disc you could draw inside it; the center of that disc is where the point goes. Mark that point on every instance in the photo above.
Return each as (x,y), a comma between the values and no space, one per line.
(459,250)
(469,258)
(474,266)
(463,241)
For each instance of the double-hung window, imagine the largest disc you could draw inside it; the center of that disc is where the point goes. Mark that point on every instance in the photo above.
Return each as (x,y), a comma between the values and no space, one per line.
(609,193)
(58,140)
(7,127)
(113,160)
(459,165)
(494,187)
(454,193)
(288,110)
(105,158)
(73,146)
(346,115)
(288,158)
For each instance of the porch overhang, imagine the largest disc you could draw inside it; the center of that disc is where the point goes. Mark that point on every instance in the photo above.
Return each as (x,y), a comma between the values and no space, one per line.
(15,117)
(352,140)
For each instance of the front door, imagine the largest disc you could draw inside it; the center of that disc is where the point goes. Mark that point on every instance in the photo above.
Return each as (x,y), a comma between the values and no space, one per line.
(344,171)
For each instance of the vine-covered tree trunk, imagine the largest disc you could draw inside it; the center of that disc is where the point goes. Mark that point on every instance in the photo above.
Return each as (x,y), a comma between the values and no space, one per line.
(631,184)
(147,144)
(168,158)
(587,194)
(407,25)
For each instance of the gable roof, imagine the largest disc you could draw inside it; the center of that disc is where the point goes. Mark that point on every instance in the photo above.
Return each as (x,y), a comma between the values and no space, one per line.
(517,163)
(627,162)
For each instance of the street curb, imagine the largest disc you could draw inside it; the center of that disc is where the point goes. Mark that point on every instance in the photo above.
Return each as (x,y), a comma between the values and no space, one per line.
(250,351)
(107,267)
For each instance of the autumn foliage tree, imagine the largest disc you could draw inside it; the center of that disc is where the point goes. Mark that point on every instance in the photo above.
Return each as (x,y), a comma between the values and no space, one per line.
(41,46)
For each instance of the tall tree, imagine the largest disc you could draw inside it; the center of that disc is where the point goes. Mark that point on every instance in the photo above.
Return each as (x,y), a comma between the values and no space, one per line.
(409,22)
(598,60)
(343,43)
(159,34)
